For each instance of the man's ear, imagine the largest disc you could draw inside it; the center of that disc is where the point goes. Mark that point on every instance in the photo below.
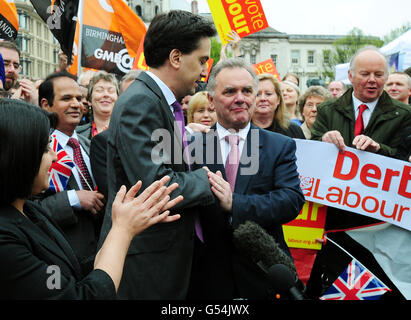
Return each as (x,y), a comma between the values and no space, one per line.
(350,75)
(209,97)
(45,105)
(210,100)
(175,58)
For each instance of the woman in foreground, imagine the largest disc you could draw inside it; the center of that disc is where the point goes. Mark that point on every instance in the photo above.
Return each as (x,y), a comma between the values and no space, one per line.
(36,260)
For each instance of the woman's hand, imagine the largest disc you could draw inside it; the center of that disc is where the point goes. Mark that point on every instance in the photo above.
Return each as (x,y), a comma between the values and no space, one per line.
(135,214)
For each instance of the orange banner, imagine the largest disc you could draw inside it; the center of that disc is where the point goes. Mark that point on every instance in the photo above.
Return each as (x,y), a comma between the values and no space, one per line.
(131,26)
(267,66)
(111,35)
(9,23)
(140,60)
(209,66)
(243,16)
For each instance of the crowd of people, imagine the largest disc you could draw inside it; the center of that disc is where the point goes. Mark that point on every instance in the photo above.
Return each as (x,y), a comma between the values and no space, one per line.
(139,215)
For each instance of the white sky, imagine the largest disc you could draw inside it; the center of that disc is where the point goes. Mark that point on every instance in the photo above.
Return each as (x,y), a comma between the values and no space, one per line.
(338,17)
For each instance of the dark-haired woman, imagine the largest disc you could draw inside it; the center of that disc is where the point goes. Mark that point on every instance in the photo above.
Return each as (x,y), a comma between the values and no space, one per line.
(36,260)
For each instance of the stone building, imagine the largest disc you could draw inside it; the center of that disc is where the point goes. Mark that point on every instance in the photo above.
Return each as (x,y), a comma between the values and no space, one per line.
(299,54)
(39,49)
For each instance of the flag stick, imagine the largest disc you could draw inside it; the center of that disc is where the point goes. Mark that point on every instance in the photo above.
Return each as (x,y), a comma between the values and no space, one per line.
(352,257)
(80,36)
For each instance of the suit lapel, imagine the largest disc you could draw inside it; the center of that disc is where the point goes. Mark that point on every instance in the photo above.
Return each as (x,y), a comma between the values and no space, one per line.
(54,242)
(152,85)
(252,152)
(212,152)
(384,110)
(85,143)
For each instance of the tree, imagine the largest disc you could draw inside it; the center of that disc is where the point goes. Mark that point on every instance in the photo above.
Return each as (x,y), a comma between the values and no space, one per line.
(395,33)
(215,49)
(344,49)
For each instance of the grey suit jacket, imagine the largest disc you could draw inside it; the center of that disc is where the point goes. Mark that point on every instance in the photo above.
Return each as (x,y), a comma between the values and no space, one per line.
(79,226)
(158,263)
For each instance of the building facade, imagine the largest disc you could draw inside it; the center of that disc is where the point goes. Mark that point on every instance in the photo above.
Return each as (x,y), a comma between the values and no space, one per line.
(300,54)
(39,49)
(147,9)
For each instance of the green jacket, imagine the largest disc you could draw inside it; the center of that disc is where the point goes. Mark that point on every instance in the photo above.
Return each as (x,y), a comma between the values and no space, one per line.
(388,120)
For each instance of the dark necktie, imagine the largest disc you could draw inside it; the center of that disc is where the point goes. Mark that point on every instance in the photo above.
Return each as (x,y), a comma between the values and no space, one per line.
(85,176)
(179,116)
(233,160)
(359,123)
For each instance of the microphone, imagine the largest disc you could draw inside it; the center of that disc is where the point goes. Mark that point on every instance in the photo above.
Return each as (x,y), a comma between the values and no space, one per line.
(259,246)
(283,280)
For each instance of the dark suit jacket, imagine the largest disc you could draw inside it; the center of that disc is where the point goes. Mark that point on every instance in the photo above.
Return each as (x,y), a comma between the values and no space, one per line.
(98,161)
(79,226)
(31,249)
(404,149)
(158,263)
(269,197)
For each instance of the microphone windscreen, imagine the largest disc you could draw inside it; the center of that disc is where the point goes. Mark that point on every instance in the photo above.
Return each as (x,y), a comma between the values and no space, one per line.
(284,280)
(258,245)
(281,277)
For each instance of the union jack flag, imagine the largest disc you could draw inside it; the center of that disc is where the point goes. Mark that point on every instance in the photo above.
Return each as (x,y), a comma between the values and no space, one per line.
(356,283)
(60,171)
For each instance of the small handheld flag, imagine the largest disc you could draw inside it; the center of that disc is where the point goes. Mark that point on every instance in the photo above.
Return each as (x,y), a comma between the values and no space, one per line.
(60,171)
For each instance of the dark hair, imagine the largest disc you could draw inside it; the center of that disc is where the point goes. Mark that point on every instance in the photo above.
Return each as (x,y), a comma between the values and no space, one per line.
(24,137)
(46,88)
(176,29)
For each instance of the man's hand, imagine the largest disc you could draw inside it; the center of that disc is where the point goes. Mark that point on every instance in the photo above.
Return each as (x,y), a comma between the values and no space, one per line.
(90,200)
(198,127)
(27,92)
(362,142)
(234,39)
(334,137)
(221,189)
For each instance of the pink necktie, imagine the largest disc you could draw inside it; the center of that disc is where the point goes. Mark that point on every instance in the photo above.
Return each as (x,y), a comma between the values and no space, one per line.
(81,165)
(233,160)
(359,123)
(179,116)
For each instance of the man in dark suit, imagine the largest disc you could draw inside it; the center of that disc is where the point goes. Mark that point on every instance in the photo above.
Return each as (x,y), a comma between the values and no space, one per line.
(176,47)
(76,208)
(264,187)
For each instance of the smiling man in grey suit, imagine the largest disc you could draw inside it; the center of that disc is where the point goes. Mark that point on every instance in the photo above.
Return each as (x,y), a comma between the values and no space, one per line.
(75,209)
(176,47)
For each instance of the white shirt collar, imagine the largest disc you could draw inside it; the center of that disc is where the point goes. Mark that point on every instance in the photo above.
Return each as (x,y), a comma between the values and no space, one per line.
(168,94)
(357,103)
(62,138)
(223,132)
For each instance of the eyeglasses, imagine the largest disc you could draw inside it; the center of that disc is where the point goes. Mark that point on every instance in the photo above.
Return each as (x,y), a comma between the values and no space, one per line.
(16,66)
